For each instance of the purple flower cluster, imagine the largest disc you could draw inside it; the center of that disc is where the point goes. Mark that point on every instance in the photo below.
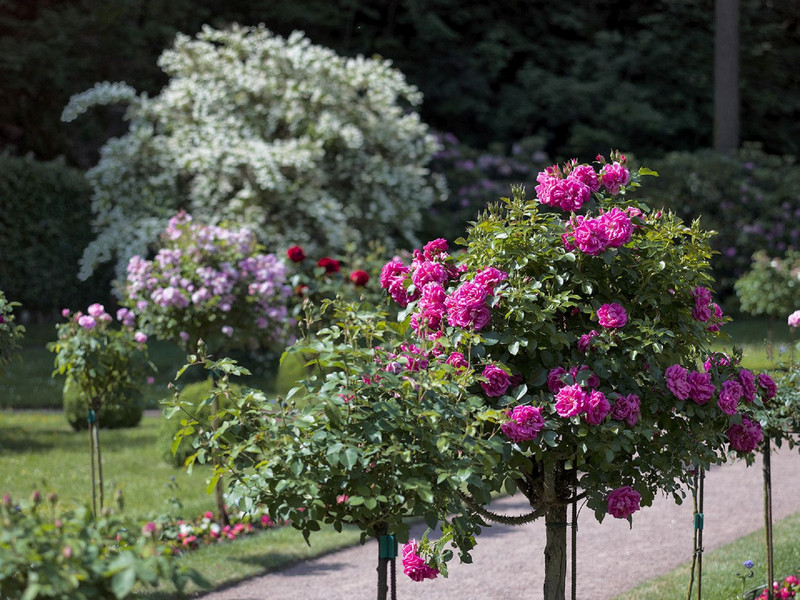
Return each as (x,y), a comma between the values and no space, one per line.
(704,309)
(623,502)
(212,274)
(745,436)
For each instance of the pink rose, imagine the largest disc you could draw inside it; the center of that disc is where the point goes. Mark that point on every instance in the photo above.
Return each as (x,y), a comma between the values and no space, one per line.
(392,270)
(457,361)
(729,396)
(617,226)
(139,337)
(623,502)
(748,382)
(701,388)
(570,400)
(678,381)
(794,319)
(87,322)
(627,408)
(613,176)
(568,194)
(497,381)
(589,235)
(525,423)
(489,278)
(745,436)
(596,407)
(96,310)
(766,383)
(435,250)
(585,341)
(414,565)
(554,380)
(427,272)
(612,315)
(586,175)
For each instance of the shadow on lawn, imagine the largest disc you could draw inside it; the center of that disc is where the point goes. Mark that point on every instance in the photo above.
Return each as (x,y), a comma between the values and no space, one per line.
(20,439)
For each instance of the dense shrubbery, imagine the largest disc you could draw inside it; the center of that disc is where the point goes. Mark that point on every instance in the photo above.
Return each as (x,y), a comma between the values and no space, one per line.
(121,408)
(44,227)
(279,134)
(751,199)
(49,553)
(772,285)
(10,332)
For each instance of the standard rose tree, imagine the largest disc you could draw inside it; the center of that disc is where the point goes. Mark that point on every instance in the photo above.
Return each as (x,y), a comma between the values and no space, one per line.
(10,332)
(561,356)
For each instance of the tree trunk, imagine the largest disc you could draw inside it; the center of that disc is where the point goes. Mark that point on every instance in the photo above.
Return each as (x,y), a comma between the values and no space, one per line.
(555,553)
(726,75)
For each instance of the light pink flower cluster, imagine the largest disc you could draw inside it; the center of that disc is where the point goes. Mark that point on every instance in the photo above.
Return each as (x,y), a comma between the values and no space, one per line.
(745,436)
(794,319)
(593,236)
(612,316)
(414,565)
(524,424)
(623,502)
(211,271)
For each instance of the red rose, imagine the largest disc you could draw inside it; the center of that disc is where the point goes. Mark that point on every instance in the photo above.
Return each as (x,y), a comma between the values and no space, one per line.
(359,278)
(296,254)
(331,265)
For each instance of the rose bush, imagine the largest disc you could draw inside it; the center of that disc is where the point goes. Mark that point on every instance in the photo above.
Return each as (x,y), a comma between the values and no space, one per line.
(11,333)
(559,356)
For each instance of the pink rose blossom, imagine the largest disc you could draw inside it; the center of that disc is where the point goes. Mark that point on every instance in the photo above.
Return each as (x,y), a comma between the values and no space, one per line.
(586,175)
(627,408)
(392,270)
(87,322)
(745,436)
(748,382)
(525,423)
(585,341)
(570,400)
(794,319)
(592,380)
(623,502)
(589,235)
(65,313)
(678,381)
(497,381)
(701,388)
(457,361)
(227,330)
(414,565)
(729,396)
(617,226)
(427,272)
(489,278)
(612,315)
(554,379)
(596,407)
(614,176)
(139,337)
(717,312)
(435,250)
(96,310)
(766,383)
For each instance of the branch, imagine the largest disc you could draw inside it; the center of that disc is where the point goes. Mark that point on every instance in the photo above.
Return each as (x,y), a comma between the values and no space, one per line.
(498,518)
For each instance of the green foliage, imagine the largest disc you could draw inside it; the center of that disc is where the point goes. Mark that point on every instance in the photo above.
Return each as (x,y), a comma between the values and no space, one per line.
(772,286)
(10,332)
(44,227)
(196,405)
(49,553)
(98,358)
(748,198)
(122,408)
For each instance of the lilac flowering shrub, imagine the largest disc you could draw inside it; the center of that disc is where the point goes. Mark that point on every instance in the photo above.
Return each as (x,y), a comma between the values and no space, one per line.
(208,282)
(10,332)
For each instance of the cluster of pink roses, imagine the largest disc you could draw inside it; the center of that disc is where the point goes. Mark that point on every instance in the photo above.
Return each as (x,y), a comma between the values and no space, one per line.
(704,309)
(414,565)
(788,588)
(97,315)
(794,319)
(699,387)
(524,424)
(568,188)
(431,270)
(594,235)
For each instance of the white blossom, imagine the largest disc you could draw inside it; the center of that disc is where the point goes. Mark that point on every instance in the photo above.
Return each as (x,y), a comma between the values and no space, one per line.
(284,136)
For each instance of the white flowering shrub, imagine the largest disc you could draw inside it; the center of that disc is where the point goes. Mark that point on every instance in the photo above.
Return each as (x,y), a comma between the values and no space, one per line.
(303,145)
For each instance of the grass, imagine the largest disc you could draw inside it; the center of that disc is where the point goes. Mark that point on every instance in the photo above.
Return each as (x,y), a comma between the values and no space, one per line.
(721,565)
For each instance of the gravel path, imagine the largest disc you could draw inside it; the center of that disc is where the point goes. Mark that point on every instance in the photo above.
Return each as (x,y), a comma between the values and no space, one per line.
(508,562)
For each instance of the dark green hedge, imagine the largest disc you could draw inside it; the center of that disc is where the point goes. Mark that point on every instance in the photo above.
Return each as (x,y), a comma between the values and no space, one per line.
(44,227)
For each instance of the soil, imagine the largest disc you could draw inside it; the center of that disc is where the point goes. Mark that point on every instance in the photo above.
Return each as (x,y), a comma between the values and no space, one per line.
(508,562)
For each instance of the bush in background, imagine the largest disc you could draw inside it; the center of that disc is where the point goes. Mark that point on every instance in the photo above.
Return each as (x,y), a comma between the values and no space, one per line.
(43,231)
(279,134)
(121,409)
(10,332)
(751,199)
